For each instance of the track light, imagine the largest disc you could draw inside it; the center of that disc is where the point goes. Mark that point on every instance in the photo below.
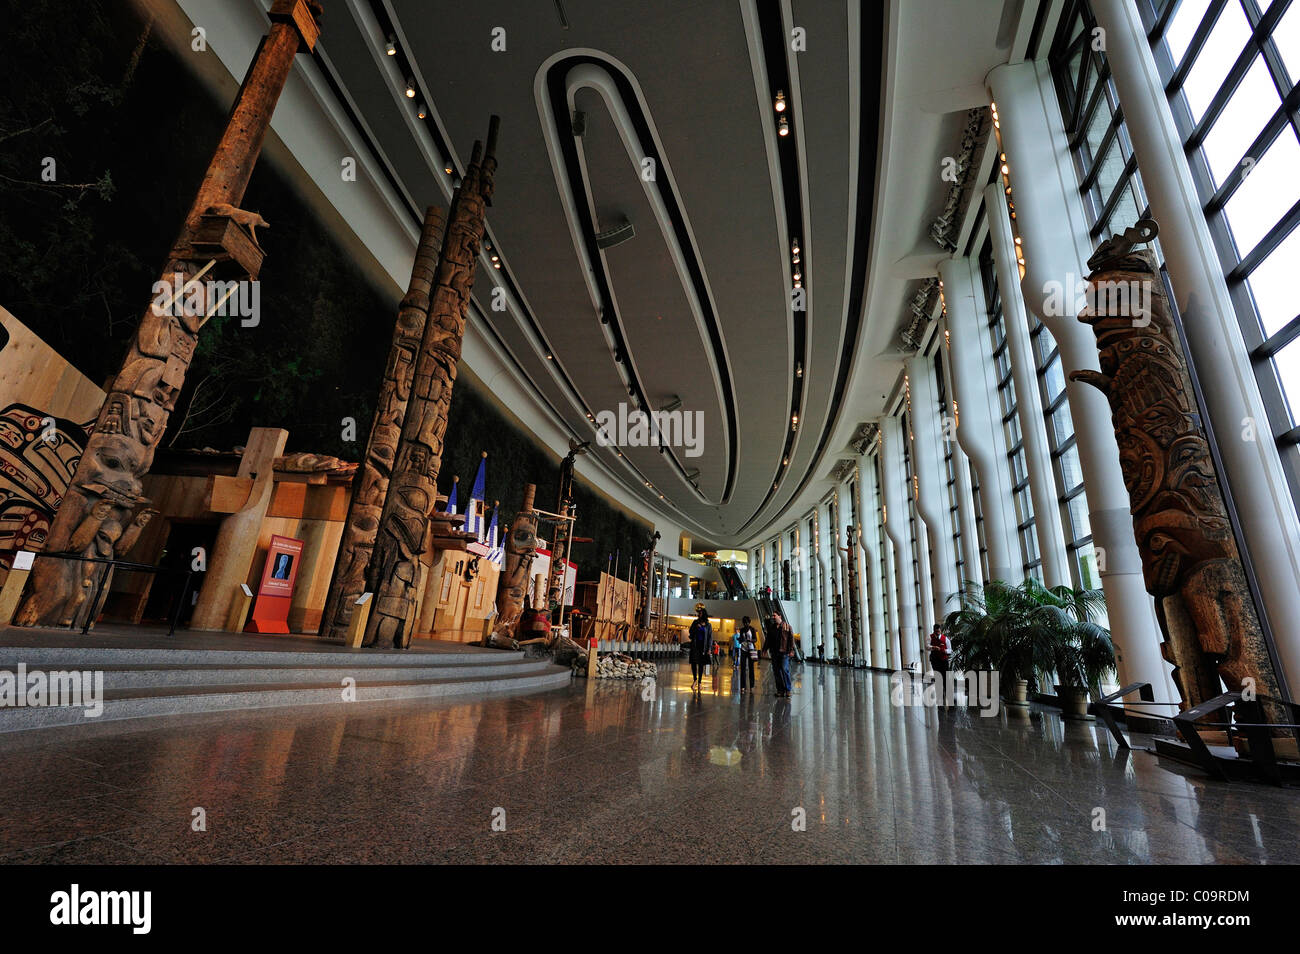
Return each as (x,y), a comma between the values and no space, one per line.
(391,46)
(448,168)
(798,369)
(779,105)
(783,127)
(410,88)
(422,111)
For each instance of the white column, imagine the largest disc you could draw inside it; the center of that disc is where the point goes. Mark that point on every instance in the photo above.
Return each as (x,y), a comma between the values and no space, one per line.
(928,460)
(979,420)
(1053,230)
(970,539)
(1254,471)
(869,502)
(896,527)
(1029,401)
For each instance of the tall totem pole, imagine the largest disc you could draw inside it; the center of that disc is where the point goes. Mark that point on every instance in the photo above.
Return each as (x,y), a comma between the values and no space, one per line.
(403,533)
(512,588)
(104,509)
(559,569)
(1190,561)
(370,486)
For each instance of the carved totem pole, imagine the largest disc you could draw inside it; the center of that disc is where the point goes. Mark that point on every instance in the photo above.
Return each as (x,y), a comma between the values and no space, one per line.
(559,568)
(370,486)
(1190,561)
(104,509)
(402,538)
(855,619)
(512,588)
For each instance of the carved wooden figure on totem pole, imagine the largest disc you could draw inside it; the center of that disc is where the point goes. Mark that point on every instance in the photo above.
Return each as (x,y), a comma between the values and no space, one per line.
(370,486)
(103,511)
(512,588)
(393,573)
(855,619)
(1190,561)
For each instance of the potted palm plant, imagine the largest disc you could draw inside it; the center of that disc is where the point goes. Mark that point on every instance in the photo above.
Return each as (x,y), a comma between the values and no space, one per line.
(991,630)
(1073,644)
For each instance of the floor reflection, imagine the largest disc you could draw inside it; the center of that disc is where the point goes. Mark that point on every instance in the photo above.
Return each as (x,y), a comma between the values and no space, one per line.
(624,771)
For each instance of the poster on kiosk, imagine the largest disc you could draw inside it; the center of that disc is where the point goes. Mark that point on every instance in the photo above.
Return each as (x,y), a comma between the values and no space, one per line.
(275,592)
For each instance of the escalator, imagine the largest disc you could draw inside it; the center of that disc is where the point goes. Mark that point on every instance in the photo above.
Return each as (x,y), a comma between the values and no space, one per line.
(731,580)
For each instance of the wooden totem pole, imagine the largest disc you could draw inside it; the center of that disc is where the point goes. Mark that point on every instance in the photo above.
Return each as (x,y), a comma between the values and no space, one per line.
(512,588)
(559,568)
(370,486)
(104,509)
(403,531)
(1190,561)
(855,617)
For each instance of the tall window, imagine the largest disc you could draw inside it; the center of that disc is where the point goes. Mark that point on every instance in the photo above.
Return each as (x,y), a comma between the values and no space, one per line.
(912,525)
(1232,74)
(1016,463)
(882,540)
(948,434)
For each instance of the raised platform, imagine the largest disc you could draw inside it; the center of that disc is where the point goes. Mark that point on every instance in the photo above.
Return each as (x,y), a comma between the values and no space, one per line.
(147,673)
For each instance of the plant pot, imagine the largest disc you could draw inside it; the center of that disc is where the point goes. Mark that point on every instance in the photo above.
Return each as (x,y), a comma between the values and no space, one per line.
(1074,702)
(1017,692)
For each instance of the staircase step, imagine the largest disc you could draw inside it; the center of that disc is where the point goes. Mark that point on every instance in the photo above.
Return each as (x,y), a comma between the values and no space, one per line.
(328,671)
(99,657)
(170,700)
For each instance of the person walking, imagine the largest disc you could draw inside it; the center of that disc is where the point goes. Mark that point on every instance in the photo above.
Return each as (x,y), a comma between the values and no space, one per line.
(747,653)
(780,646)
(701,645)
(940,649)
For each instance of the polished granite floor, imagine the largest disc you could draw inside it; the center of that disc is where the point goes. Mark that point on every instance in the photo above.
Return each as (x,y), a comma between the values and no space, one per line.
(599,773)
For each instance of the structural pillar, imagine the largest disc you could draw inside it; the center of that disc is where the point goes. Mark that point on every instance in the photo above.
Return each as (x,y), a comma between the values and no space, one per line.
(896,527)
(932,497)
(1261,495)
(1054,235)
(979,430)
(869,502)
(1029,402)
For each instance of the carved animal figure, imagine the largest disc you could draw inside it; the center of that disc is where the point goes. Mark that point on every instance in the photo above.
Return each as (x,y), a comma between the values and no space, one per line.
(241,217)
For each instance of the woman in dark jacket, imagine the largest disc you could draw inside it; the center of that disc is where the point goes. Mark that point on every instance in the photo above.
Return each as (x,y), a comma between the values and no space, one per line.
(701,646)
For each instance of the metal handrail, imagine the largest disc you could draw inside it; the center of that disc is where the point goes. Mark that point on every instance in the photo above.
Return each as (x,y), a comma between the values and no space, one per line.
(1103,709)
(128,565)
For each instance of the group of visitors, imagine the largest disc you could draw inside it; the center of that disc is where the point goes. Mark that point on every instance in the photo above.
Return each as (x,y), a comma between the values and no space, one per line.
(779,643)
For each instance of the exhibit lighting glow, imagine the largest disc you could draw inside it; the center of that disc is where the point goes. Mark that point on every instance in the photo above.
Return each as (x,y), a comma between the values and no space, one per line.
(410,88)
(779,105)
(391,46)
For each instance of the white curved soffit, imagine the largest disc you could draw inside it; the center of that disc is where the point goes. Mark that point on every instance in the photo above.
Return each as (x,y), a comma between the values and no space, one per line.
(594,77)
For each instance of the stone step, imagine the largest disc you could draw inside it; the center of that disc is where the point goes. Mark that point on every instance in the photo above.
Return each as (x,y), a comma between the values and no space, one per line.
(99,657)
(145,702)
(328,671)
